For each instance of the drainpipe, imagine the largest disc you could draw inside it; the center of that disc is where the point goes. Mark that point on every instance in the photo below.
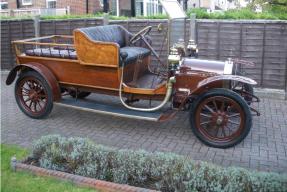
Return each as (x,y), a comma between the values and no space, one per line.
(185,4)
(118,8)
(106,6)
(18,4)
(87,6)
(133,8)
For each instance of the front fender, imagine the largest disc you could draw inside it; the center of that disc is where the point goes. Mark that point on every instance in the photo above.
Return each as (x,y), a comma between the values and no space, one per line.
(43,71)
(211,82)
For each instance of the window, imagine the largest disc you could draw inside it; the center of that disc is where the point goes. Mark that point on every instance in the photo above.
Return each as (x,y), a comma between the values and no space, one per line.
(147,7)
(4,5)
(139,8)
(51,4)
(26,2)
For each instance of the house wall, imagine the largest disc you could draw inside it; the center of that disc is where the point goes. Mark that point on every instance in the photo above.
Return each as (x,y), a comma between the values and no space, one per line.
(199,3)
(125,7)
(11,4)
(76,6)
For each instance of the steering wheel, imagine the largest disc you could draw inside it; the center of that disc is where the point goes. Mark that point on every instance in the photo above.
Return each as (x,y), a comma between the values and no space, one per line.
(140,34)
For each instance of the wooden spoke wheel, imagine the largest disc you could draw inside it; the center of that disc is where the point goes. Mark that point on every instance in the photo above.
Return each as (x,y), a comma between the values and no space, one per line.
(220,118)
(33,95)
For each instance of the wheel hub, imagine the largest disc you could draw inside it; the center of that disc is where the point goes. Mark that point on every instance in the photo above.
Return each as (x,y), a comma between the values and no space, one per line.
(33,95)
(219,119)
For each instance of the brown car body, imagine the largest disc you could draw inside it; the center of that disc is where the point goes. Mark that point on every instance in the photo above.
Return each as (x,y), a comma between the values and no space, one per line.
(95,68)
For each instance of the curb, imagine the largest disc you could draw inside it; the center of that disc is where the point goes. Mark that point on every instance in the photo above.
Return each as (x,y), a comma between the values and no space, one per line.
(279,94)
(4,72)
(80,180)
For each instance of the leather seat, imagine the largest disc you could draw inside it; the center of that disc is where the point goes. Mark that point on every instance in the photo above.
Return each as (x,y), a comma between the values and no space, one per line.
(107,33)
(55,53)
(119,35)
(134,53)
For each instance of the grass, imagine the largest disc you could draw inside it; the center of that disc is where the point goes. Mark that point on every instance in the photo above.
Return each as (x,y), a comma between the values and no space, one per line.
(26,182)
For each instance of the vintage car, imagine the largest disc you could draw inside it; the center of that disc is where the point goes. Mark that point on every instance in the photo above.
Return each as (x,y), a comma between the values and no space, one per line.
(109,60)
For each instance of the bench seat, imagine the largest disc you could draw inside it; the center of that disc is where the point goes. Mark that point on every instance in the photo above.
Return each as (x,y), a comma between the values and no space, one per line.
(103,44)
(54,53)
(133,53)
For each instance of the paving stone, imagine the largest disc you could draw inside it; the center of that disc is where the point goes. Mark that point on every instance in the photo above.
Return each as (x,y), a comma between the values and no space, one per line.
(265,148)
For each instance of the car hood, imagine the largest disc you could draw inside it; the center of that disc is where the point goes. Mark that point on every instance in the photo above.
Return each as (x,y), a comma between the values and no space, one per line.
(204,65)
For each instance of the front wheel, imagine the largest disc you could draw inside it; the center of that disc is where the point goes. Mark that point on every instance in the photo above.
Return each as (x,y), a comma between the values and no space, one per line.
(33,95)
(220,118)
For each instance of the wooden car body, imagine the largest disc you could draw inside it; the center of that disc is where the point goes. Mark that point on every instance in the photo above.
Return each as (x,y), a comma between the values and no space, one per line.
(95,69)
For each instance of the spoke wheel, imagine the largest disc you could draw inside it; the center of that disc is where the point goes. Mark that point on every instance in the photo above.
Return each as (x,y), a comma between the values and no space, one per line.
(33,95)
(220,118)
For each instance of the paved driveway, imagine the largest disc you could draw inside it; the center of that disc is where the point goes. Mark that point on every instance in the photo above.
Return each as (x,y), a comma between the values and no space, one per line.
(265,148)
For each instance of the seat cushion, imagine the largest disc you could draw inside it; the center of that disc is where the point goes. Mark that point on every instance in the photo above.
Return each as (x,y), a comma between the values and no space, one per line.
(106,33)
(56,53)
(134,53)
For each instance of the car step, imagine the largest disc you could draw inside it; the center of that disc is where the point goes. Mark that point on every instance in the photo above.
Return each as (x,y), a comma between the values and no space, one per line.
(120,111)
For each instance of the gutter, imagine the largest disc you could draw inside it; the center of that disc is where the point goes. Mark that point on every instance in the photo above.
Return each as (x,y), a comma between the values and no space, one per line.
(87,6)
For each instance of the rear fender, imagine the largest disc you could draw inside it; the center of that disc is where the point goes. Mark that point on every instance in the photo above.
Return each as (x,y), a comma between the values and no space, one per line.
(213,82)
(42,70)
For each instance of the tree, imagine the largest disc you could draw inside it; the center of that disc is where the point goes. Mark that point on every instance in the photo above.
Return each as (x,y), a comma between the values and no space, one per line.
(270,5)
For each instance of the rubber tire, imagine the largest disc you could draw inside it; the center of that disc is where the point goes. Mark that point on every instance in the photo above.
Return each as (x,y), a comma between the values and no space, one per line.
(226,93)
(46,86)
(81,94)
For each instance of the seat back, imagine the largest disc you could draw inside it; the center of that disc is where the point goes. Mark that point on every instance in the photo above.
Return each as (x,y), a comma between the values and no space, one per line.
(107,33)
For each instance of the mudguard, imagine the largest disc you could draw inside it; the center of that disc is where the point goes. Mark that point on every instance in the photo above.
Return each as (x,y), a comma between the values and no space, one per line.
(208,82)
(42,70)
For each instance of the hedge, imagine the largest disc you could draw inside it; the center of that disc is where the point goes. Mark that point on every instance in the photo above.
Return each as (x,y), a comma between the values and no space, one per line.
(237,14)
(161,171)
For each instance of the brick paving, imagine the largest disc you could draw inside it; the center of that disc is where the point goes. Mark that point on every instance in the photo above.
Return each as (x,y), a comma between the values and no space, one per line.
(265,148)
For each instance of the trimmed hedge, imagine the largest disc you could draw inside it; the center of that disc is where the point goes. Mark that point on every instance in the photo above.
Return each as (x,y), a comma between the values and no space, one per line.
(162,171)
(237,14)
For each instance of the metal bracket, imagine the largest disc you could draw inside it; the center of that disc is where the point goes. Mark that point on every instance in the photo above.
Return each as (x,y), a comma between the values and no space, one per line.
(255,111)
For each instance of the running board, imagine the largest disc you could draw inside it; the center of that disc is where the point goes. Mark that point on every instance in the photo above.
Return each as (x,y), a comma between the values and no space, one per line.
(119,111)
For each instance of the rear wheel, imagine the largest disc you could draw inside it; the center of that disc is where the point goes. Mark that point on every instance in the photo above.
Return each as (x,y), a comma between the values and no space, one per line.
(220,118)
(33,95)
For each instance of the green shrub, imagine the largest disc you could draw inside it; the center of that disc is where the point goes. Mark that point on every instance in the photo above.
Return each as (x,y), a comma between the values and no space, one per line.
(162,171)
(244,13)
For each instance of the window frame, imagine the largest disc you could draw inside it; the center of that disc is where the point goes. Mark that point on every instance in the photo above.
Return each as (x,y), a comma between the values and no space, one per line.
(27,3)
(47,3)
(3,3)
